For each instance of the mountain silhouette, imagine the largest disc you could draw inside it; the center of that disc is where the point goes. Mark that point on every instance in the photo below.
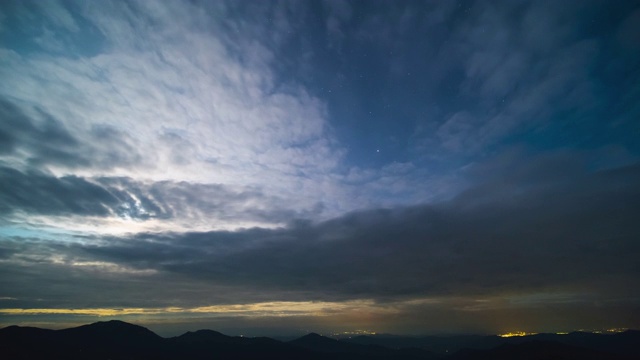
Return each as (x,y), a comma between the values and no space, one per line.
(101,340)
(535,350)
(316,342)
(202,336)
(207,344)
(445,345)
(336,349)
(624,343)
(118,340)
(113,331)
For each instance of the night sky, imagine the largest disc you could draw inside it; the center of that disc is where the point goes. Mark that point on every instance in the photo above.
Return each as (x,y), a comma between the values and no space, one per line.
(279,167)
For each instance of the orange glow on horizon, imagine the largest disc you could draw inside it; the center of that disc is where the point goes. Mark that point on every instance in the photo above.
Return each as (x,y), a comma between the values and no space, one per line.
(275,308)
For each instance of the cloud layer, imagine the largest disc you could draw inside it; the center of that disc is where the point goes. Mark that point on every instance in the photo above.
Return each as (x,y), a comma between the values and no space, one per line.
(550,242)
(419,166)
(168,102)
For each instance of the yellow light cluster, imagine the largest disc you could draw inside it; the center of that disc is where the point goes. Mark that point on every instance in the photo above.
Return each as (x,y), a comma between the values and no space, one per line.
(516,333)
(617,330)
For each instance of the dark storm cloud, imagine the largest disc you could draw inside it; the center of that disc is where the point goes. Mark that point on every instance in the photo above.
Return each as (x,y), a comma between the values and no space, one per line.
(529,229)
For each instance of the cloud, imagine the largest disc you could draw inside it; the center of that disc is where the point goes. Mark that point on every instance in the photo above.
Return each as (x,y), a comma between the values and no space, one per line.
(167,100)
(545,239)
(41,194)
(521,78)
(157,205)
(177,120)
(44,141)
(523,231)
(539,236)
(455,133)
(520,72)
(58,15)
(339,13)
(192,155)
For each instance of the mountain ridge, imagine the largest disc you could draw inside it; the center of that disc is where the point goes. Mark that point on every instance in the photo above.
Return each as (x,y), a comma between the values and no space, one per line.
(121,340)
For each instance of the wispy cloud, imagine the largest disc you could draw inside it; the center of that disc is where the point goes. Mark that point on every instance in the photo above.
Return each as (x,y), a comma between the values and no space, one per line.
(167,102)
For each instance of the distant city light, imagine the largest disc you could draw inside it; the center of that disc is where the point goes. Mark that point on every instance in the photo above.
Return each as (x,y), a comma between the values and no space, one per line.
(516,333)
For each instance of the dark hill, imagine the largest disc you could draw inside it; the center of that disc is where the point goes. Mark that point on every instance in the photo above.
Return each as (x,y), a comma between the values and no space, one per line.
(625,343)
(101,340)
(16,340)
(444,345)
(316,342)
(119,340)
(112,331)
(209,344)
(18,332)
(202,336)
(537,350)
(321,344)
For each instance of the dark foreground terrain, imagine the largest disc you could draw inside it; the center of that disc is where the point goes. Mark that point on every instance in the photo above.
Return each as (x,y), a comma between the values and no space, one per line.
(120,340)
